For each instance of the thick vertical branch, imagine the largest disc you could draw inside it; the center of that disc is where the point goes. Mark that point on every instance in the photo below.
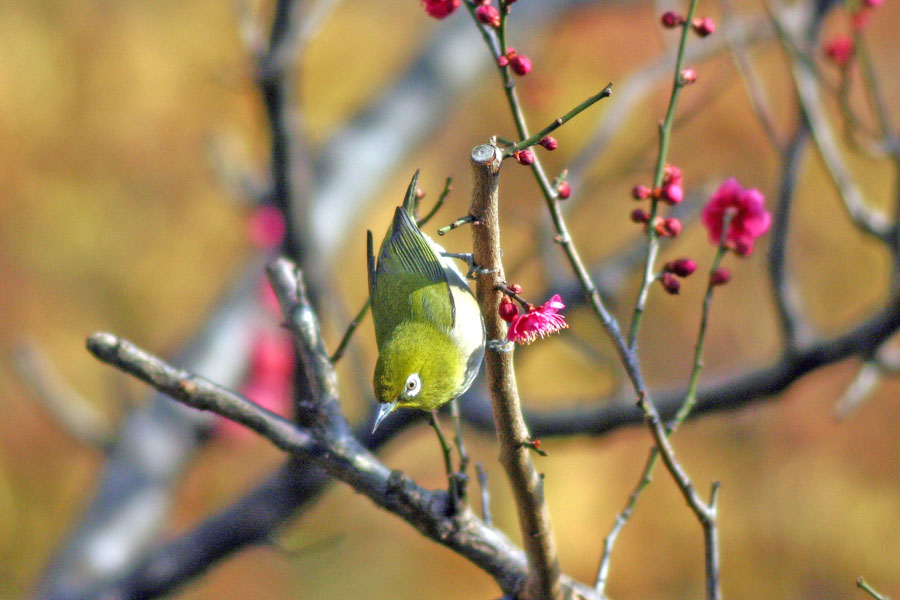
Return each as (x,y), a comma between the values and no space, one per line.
(512,433)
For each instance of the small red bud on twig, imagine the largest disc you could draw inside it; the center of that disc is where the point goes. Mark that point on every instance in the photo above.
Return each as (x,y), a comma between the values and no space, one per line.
(520,64)
(507,309)
(720,276)
(670,283)
(670,227)
(549,142)
(688,76)
(640,192)
(703,26)
(671,20)
(488,15)
(681,267)
(524,157)
(639,215)
(563,191)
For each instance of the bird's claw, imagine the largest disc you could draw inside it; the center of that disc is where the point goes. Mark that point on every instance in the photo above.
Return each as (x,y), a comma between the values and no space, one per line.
(499,345)
(469,259)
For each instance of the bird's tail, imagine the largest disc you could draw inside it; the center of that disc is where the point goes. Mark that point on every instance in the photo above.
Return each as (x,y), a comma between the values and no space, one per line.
(409,202)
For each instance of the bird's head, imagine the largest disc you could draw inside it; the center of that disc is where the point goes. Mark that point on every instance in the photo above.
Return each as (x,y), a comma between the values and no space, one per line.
(418,367)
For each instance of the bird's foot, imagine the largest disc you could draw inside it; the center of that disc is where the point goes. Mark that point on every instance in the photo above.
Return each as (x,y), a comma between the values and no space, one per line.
(469,259)
(499,345)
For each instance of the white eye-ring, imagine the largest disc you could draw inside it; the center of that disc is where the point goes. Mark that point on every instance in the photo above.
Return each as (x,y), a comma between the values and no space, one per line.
(413,385)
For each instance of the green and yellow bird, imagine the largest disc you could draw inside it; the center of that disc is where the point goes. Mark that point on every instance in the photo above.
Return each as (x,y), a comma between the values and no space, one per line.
(428,325)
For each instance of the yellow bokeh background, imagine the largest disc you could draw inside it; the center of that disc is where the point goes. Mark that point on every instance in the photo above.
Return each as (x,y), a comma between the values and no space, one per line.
(114,216)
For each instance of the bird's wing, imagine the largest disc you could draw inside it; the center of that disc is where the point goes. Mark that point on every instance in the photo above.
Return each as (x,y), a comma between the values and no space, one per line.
(370,262)
(414,269)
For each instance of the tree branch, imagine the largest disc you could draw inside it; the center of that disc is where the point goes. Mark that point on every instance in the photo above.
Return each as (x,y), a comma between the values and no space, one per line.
(338,453)
(512,433)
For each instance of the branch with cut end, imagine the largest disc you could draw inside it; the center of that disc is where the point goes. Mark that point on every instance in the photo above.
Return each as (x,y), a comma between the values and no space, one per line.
(329,445)
(512,433)
(343,458)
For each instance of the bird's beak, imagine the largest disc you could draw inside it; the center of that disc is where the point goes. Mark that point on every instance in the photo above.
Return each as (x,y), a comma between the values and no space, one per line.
(386,409)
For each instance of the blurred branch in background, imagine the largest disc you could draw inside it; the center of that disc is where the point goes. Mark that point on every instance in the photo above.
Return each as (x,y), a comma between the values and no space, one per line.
(75,415)
(152,448)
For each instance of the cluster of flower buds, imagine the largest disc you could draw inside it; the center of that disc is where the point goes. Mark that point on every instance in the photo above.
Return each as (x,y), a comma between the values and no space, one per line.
(670,191)
(668,227)
(702,26)
(682,267)
(519,63)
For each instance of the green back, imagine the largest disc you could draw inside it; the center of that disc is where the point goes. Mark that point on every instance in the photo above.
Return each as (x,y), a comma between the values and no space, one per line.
(409,282)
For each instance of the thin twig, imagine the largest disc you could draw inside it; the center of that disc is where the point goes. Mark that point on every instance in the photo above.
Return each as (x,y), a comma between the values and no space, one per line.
(456,224)
(558,122)
(865,586)
(665,133)
(609,323)
(864,217)
(72,411)
(448,187)
(485,494)
(622,519)
(512,433)
(751,81)
(794,328)
(683,412)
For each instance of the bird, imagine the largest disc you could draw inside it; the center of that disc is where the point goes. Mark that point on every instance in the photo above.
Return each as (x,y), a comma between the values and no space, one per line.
(428,326)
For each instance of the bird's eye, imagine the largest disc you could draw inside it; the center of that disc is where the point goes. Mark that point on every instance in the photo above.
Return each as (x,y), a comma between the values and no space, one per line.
(413,384)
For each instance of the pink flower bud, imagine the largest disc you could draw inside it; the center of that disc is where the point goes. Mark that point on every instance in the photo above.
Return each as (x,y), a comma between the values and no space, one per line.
(703,26)
(502,61)
(549,142)
(670,227)
(524,157)
(672,174)
(672,193)
(872,3)
(507,310)
(440,8)
(671,19)
(839,50)
(720,276)
(488,15)
(670,283)
(688,76)
(520,64)
(639,215)
(515,288)
(563,191)
(640,192)
(267,226)
(681,267)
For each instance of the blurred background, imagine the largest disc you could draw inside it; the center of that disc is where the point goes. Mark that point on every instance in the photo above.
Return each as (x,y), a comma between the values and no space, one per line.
(135,140)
